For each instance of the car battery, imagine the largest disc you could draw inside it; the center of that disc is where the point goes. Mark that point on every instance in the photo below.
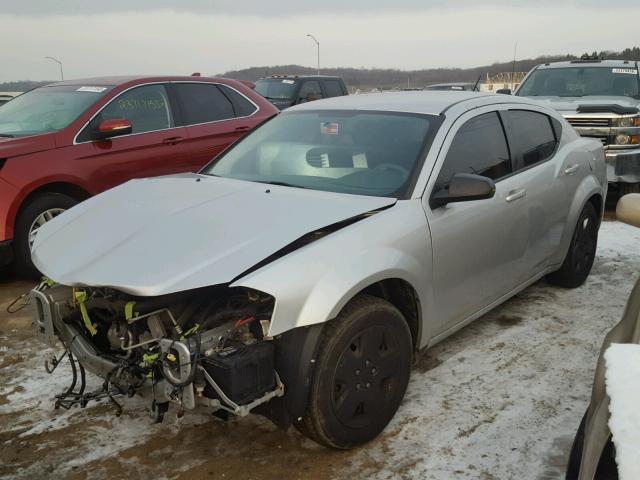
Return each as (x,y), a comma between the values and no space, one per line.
(243,372)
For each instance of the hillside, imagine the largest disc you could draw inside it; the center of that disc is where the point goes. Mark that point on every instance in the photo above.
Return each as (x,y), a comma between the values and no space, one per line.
(391,78)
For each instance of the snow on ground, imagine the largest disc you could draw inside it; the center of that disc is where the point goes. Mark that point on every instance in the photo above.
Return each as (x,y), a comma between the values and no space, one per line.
(500,399)
(622,375)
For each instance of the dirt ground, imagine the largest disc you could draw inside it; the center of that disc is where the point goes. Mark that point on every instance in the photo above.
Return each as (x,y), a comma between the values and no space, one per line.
(500,399)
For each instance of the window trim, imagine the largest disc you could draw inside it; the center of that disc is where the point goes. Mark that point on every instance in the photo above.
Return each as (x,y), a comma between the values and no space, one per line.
(176,114)
(517,158)
(498,113)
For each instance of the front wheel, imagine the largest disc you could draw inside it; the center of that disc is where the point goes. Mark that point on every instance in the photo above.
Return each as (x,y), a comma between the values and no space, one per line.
(362,372)
(582,251)
(38,211)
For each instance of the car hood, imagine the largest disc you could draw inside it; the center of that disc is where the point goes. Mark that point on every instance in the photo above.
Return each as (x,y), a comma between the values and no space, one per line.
(14,147)
(569,105)
(169,234)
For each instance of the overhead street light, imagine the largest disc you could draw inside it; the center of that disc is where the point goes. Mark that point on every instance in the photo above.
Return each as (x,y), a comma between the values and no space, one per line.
(59,63)
(318,45)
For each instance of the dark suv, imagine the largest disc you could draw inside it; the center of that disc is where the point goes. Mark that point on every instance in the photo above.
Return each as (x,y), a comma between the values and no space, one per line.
(284,91)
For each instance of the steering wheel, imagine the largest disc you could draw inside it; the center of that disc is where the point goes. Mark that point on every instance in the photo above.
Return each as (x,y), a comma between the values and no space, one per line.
(392,166)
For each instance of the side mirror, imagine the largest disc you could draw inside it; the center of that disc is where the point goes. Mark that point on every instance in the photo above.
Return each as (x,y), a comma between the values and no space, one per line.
(504,91)
(464,187)
(112,128)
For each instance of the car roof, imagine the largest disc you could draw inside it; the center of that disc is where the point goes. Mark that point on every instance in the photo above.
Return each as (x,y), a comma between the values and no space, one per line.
(589,63)
(113,81)
(423,102)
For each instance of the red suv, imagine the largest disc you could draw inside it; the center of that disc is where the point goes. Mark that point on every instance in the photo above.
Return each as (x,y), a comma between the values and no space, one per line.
(64,142)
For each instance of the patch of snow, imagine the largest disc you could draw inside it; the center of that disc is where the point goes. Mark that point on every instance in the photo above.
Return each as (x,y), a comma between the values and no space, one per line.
(622,375)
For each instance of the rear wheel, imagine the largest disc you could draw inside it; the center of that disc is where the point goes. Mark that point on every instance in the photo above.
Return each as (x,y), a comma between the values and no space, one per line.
(582,251)
(361,374)
(38,211)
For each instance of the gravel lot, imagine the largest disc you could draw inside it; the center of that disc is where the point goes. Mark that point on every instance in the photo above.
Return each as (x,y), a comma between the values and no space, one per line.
(501,399)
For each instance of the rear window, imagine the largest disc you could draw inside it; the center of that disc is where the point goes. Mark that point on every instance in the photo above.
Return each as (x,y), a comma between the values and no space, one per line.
(533,135)
(202,103)
(241,105)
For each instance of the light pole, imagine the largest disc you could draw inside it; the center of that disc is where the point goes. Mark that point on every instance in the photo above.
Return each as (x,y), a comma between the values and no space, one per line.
(59,63)
(318,45)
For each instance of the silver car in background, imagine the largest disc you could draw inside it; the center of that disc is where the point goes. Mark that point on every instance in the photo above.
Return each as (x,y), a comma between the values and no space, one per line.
(298,273)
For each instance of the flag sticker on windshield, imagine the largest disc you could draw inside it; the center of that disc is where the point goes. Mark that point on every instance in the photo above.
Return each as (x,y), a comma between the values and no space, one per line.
(91,89)
(329,128)
(631,71)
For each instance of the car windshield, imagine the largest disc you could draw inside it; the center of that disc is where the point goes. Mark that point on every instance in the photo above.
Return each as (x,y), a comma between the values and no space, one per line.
(581,82)
(47,109)
(363,153)
(276,88)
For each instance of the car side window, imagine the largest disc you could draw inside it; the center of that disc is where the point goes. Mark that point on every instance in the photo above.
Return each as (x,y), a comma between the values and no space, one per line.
(533,136)
(310,91)
(146,107)
(479,147)
(203,103)
(333,88)
(242,107)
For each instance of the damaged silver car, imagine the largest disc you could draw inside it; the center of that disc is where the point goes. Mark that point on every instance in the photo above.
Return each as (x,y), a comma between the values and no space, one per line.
(298,273)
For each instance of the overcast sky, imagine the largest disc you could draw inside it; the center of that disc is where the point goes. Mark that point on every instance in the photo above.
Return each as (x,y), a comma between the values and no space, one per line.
(182,36)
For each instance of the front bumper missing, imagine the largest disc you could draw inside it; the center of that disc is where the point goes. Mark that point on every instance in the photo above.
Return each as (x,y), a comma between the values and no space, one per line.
(50,328)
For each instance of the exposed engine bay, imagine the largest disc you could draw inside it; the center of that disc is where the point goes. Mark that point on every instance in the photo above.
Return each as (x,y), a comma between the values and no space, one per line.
(206,347)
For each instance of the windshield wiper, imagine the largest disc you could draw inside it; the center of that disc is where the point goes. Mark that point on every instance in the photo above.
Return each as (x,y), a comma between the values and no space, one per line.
(6,135)
(282,184)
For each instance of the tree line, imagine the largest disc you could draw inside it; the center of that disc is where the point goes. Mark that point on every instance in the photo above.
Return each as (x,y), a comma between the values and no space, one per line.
(367,78)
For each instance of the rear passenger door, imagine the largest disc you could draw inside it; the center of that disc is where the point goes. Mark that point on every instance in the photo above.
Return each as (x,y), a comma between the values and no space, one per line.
(214,116)
(153,148)
(535,140)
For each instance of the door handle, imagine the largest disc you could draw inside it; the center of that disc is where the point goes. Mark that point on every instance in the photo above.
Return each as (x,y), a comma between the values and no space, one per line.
(572,169)
(172,140)
(515,195)
(243,128)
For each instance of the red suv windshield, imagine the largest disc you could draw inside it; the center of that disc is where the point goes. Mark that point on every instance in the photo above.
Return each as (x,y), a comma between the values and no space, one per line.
(47,109)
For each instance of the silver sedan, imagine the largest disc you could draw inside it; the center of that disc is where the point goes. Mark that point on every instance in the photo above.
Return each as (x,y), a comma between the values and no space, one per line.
(298,273)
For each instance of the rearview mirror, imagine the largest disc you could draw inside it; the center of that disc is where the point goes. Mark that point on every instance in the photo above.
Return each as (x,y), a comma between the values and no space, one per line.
(504,91)
(464,187)
(112,128)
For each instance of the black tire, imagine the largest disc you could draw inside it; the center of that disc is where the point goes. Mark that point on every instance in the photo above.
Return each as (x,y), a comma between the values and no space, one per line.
(361,375)
(582,251)
(35,207)
(626,188)
(575,456)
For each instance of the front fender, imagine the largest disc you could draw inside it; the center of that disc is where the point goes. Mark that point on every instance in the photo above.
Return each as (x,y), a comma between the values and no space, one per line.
(313,284)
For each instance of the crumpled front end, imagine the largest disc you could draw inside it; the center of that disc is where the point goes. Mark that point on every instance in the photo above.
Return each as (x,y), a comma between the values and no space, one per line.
(205,347)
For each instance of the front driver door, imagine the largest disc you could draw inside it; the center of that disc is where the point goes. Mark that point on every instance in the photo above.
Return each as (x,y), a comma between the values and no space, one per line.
(153,148)
(478,246)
